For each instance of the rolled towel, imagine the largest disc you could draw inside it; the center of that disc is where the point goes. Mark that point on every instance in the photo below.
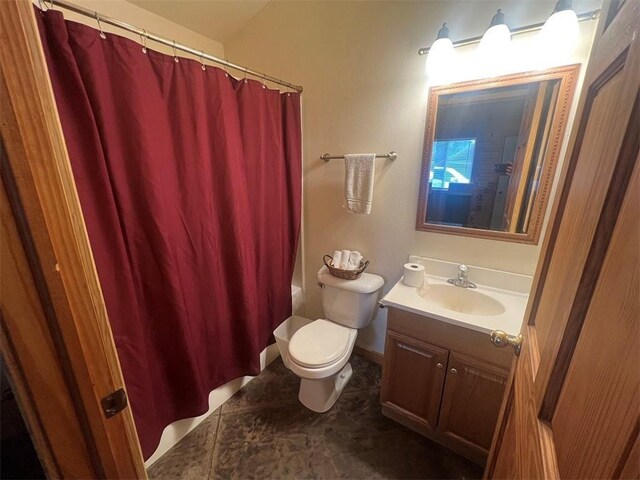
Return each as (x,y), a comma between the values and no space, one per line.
(354,260)
(337,256)
(344,259)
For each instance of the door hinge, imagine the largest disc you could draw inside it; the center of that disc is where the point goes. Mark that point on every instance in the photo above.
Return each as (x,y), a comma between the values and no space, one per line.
(114,403)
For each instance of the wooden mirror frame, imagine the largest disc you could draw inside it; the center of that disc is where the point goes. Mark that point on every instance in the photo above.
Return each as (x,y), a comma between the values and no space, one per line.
(567,75)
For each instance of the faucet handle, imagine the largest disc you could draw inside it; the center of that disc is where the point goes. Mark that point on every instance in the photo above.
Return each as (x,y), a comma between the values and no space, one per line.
(462,279)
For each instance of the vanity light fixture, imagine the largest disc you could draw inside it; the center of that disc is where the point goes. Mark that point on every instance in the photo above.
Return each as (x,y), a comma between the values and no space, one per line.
(497,38)
(441,53)
(562,6)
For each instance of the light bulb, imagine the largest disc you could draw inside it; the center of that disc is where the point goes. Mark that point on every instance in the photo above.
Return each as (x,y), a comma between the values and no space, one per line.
(440,60)
(495,40)
(558,37)
(440,57)
(494,47)
(494,51)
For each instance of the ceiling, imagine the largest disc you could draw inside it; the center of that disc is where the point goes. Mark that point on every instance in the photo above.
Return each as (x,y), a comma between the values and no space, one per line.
(216,19)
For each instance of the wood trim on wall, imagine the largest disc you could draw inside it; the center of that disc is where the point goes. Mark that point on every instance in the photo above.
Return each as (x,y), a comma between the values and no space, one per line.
(375,357)
(524,157)
(60,263)
(568,76)
(520,153)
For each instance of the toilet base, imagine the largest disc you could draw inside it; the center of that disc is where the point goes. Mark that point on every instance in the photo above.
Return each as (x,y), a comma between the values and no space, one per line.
(320,394)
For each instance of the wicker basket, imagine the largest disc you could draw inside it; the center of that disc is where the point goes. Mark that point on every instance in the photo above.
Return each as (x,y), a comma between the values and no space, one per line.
(345,274)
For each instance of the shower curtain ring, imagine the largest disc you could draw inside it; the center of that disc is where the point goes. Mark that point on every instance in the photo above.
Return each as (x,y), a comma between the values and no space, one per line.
(175,56)
(102,35)
(41,7)
(51,7)
(143,40)
(202,65)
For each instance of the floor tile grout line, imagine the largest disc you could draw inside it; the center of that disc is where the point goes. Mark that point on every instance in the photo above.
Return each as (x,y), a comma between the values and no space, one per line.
(261,407)
(215,442)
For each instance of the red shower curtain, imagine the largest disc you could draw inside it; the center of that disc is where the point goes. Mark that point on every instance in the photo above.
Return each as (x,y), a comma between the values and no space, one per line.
(190,186)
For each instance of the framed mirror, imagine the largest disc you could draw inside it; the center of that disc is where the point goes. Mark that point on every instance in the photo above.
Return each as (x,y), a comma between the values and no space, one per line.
(491,148)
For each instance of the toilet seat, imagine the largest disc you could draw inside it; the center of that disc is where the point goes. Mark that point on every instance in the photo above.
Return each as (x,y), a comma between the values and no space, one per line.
(319,344)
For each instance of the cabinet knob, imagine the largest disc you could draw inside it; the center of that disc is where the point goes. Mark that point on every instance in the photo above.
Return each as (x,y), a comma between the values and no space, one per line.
(439,365)
(453,370)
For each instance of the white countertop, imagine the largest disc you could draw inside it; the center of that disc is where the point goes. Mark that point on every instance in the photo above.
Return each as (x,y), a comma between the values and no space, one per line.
(510,321)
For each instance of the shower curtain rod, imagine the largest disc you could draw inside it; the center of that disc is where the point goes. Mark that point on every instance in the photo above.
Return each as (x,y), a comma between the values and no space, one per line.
(165,41)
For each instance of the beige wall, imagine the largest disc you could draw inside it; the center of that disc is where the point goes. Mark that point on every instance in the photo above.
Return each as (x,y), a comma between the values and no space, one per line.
(365,91)
(134,15)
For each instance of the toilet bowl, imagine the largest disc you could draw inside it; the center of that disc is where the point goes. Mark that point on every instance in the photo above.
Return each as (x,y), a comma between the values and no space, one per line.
(319,351)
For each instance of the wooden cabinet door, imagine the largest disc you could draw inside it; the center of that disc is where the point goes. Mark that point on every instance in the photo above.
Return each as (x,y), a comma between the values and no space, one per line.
(413,378)
(471,401)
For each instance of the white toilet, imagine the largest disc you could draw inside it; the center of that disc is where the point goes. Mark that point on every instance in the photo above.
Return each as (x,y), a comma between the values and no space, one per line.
(318,351)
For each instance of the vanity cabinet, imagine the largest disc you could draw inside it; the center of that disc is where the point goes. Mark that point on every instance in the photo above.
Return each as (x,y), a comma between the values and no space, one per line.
(444,381)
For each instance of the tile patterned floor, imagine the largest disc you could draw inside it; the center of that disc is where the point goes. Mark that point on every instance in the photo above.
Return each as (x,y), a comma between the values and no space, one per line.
(264,432)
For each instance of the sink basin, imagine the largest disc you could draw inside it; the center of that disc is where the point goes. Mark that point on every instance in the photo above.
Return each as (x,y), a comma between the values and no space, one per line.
(499,302)
(462,300)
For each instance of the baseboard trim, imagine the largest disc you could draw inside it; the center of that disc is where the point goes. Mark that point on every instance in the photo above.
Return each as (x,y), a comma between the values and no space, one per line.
(375,357)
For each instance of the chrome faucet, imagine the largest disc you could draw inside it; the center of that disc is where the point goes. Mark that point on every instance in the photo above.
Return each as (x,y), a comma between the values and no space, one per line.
(461,280)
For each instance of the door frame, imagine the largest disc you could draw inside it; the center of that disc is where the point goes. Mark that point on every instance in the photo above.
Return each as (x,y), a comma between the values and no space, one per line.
(55,332)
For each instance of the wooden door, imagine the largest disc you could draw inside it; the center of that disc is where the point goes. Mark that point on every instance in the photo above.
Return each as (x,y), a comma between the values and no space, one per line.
(55,335)
(471,401)
(413,378)
(572,410)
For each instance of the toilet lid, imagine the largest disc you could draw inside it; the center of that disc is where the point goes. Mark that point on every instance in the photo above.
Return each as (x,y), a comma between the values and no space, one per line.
(319,343)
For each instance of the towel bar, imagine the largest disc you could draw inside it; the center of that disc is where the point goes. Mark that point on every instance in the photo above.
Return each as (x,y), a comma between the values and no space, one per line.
(391,156)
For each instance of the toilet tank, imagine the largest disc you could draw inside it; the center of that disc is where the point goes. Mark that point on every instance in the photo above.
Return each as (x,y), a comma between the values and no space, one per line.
(351,303)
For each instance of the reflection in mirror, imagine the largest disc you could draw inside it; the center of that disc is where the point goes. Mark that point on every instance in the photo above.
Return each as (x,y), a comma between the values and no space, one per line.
(490,152)
(479,178)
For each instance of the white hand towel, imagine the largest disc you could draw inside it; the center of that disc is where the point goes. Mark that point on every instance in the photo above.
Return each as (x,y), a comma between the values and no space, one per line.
(358,182)
(344,259)
(337,258)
